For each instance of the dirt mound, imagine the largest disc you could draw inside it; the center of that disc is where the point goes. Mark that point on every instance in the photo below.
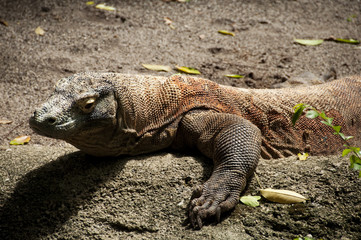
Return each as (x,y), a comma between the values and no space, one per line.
(58,193)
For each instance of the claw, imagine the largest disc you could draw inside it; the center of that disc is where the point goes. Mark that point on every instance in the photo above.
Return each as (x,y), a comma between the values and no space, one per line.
(193,216)
(197,192)
(218,214)
(199,222)
(208,203)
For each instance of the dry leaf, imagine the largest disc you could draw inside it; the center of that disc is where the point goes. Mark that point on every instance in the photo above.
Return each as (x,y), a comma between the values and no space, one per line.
(5,121)
(39,31)
(234,76)
(104,7)
(302,156)
(225,32)
(169,22)
(3,22)
(350,41)
(309,42)
(157,67)
(282,196)
(188,70)
(21,140)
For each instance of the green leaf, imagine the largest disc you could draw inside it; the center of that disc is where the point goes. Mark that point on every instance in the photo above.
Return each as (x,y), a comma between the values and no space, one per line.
(342,135)
(234,76)
(329,120)
(250,200)
(297,106)
(337,128)
(348,137)
(307,238)
(225,32)
(312,114)
(352,160)
(349,19)
(323,115)
(298,112)
(354,149)
(355,166)
(350,41)
(357,160)
(308,42)
(157,67)
(188,70)
(346,151)
(326,123)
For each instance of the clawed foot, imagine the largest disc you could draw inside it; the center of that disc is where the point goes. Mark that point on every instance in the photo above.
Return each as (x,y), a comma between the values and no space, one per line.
(208,202)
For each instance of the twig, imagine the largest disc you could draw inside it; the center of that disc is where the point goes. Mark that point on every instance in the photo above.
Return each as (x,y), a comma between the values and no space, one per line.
(8,134)
(258,181)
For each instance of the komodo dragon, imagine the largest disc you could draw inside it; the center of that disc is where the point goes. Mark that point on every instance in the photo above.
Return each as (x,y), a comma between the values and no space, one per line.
(109,114)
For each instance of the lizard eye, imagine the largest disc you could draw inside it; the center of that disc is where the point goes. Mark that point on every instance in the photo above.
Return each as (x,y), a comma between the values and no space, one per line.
(87,104)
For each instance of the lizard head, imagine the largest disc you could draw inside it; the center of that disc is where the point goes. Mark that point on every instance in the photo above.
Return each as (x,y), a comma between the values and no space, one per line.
(79,106)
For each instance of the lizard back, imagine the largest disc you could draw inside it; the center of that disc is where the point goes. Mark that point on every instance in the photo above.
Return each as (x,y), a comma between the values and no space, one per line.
(269,109)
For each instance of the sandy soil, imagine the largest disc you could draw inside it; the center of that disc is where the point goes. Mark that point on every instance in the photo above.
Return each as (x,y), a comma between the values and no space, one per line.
(51,191)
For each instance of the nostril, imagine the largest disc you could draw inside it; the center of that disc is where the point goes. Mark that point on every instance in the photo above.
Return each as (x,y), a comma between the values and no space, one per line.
(35,113)
(51,120)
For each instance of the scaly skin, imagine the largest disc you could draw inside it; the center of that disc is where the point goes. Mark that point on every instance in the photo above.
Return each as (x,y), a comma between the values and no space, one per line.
(108,114)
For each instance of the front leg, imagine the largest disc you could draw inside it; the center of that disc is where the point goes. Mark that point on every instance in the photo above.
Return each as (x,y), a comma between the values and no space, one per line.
(234,145)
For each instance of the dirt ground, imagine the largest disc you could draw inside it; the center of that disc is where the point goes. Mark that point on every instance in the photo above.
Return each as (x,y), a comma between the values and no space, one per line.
(49,190)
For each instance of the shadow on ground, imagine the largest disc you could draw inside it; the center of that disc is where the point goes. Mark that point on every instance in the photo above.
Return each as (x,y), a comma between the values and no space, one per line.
(46,197)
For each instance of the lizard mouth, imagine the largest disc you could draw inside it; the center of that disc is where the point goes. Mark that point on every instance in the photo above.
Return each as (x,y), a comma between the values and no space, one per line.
(65,126)
(59,131)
